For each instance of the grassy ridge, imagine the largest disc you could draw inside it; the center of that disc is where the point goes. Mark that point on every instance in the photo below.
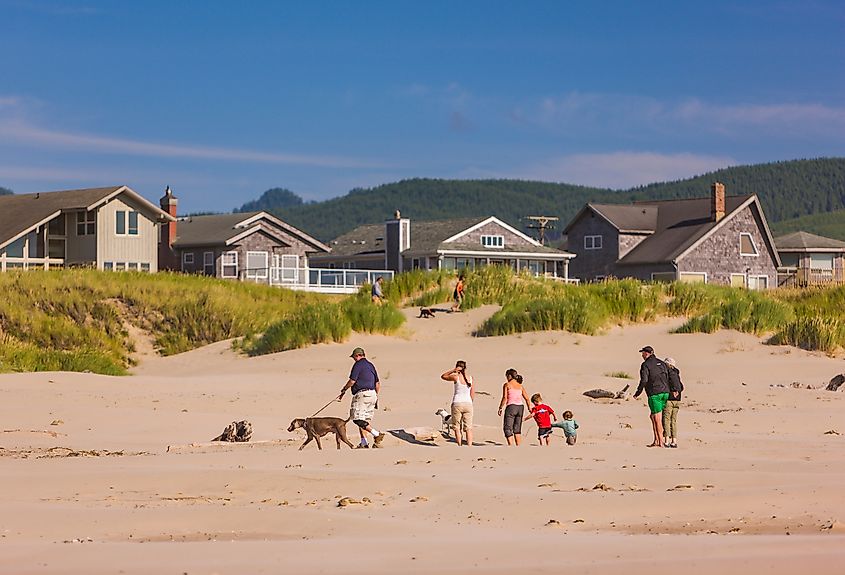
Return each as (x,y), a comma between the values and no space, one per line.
(810,319)
(73,319)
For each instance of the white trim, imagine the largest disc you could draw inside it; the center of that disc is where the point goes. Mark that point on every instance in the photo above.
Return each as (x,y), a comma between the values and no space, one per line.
(206,264)
(495,241)
(135,196)
(768,234)
(753,245)
(681,275)
(224,265)
(492,219)
(285,226)
(33,227)
(743,276)
(757,278)
(185,259)
(257,228)
(593,237)
(499,255)
(257,273)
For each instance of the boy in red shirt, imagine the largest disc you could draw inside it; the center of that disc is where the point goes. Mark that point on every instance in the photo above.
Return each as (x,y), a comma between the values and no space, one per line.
(543,415)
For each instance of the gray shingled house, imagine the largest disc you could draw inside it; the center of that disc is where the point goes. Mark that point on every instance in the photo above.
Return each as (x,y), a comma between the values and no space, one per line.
(255,246)
(465,243)
(808,259)
(720,240)
(111,228)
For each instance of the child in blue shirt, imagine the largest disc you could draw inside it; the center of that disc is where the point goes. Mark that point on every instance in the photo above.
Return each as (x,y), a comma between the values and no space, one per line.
(569,427)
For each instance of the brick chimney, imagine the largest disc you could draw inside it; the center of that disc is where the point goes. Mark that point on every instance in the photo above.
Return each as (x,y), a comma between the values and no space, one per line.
(167,258)
(717,201)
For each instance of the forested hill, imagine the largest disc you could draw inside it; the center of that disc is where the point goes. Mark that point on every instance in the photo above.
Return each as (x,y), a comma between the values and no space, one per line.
(787,189)
(5,191)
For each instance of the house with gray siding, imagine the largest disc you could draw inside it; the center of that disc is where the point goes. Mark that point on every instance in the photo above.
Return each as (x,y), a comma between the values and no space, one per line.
(112,228)
(719,239)
(807,259)
(456,244)
(253,246)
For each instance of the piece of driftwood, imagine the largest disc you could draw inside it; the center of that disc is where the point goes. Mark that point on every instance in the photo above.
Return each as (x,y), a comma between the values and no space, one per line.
(422,433)
(604,394)
(836,382)
(217,446)
(236,432)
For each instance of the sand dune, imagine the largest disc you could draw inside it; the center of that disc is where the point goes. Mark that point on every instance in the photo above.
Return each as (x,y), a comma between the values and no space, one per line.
(756,486)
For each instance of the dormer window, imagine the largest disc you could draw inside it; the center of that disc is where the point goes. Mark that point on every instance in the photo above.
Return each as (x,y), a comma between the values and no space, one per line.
(493,241)
(746,245)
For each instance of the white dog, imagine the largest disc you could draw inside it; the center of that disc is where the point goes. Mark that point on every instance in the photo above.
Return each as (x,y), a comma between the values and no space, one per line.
(445,418)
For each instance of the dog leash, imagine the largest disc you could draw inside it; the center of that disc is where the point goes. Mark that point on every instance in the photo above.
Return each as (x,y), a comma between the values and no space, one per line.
(325,406)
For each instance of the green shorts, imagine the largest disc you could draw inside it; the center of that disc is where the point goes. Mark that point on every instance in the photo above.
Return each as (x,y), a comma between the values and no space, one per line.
(657,402)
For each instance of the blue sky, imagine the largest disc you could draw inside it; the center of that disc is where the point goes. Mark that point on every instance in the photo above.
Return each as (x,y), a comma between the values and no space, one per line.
(223,100)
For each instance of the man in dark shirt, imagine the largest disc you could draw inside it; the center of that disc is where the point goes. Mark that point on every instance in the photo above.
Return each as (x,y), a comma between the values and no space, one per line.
(654,379)
(363,379)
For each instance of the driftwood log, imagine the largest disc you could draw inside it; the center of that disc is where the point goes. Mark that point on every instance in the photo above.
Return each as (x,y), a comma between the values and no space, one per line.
(604,394)
(836,382)
(236,432)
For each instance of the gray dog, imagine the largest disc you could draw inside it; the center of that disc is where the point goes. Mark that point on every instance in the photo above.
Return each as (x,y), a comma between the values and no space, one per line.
(317,427)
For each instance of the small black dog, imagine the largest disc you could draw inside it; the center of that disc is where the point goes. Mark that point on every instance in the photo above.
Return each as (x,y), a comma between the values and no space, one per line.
(426,312)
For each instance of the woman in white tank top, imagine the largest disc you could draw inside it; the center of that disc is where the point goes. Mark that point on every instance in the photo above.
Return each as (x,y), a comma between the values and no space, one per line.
(462,398)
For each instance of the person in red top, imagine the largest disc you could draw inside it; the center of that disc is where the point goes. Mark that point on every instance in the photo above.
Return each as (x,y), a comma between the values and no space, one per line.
(543,415)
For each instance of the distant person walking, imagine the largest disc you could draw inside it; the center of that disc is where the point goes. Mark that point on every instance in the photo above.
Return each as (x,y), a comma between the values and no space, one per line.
(377,293)
(458,294)
(654,379)
(363,379)
(514,400)
(462,398)
(670,412)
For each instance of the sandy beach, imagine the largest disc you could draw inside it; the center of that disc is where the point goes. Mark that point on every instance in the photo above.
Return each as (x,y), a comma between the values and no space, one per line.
(116,475)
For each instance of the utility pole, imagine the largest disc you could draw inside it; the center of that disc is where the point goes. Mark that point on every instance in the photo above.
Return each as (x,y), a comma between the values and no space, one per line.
(541,224)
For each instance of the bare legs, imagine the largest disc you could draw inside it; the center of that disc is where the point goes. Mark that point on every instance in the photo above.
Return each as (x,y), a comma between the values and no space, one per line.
(657,429)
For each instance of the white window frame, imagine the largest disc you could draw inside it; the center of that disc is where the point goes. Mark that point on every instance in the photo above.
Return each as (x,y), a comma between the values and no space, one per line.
(493,241)
(257,273)
(129,228)
(125,217)
(289,273)
(187,259)
(87,222)
(682,274)
(224,264)
(145,267)
(208,264)
(743,276)
(756,282)
(753,245)
(590,242)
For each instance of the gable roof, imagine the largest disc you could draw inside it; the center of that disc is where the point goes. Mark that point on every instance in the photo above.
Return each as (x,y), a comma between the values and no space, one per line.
(428,238)
(21,213)
(625,218)
(225,229)
(807,242)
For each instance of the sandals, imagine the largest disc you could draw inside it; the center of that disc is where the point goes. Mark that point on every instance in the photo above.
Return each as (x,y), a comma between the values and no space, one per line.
(654,445)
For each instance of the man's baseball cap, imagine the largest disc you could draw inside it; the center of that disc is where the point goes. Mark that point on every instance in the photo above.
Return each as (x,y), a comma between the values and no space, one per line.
(647,348)
(357,351)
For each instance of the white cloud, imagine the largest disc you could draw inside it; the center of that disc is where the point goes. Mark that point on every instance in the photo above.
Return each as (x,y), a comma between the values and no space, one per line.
(589,113)
(623,169)
(16,131)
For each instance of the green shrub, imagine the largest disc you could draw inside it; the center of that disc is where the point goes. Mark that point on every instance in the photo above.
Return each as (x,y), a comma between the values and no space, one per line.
(813,330)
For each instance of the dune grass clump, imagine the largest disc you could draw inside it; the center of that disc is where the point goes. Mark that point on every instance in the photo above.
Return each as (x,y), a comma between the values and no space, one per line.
(742,310)
(629,300)
(366,317)
(415,283)
(26,357)
(315,323)
(813,329)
